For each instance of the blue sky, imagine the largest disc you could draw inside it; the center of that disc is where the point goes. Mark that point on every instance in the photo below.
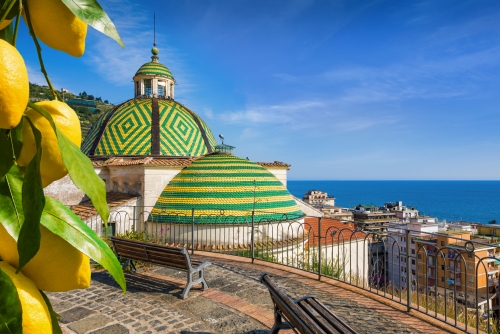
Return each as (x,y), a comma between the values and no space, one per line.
(341,90)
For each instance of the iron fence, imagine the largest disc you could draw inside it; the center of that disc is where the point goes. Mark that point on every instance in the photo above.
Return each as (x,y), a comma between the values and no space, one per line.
(447,275)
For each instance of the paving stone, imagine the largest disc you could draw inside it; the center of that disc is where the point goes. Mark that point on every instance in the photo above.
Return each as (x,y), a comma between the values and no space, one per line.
(112,329)
(93,322)
(74,314)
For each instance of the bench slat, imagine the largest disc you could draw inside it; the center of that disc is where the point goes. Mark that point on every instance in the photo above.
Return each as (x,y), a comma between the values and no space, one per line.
(286,304)
(306,315)
(320,317)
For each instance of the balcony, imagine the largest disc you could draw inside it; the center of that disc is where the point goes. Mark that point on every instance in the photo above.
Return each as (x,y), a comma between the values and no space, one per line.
(297,251)
(235,303)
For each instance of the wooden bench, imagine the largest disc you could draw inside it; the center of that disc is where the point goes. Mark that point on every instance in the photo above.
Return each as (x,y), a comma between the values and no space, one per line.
(304,315)
(173,257)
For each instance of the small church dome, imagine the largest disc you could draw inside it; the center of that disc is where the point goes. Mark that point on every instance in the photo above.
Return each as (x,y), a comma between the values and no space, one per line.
(154,68)
(224,188)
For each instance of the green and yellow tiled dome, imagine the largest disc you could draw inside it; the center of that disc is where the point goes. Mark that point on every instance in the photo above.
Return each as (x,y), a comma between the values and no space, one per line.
(147,126)
(224,188)
(155,68)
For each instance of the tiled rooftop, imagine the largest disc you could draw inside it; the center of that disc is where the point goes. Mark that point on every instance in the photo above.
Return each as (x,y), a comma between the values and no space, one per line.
(235,302)
(86,209)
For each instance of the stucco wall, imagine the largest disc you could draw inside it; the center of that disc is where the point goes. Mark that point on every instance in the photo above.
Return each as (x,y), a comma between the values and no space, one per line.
(280,173)
(65,191)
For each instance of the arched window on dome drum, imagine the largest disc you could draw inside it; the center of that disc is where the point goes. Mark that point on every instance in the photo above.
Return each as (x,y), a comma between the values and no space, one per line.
(137,88)
(147,87)
(161,88)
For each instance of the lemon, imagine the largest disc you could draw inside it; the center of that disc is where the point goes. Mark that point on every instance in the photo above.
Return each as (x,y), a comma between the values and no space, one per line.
(57,26)
(51,167)
(36,316)
(14,86)
(57,267)
(5,23)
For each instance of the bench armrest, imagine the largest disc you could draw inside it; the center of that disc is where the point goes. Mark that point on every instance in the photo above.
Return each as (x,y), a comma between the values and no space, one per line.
(202,265)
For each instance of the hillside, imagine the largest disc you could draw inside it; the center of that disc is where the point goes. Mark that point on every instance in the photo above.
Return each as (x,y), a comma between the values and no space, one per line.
(88,107)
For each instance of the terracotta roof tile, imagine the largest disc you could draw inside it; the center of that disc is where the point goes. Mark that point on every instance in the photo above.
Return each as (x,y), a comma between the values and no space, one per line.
(274,164)
(329,225)
(175,162)
(85,209)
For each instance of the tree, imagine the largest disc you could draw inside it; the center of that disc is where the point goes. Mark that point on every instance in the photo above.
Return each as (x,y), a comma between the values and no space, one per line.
(24,209)
(98,99)
(106,101)
(492,221)
(83,95)
(90,97)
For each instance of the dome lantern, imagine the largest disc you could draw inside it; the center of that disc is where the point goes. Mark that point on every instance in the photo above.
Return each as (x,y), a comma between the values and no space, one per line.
(154,79)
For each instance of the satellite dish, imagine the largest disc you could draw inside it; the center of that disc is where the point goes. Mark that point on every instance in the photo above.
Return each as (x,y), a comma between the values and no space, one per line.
(221,136)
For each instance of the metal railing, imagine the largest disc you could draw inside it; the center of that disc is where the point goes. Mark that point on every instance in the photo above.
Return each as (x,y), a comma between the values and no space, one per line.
(452,279)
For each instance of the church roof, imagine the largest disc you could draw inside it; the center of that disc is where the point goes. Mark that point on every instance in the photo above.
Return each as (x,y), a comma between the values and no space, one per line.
(149,126)
(154,68)
(223,188)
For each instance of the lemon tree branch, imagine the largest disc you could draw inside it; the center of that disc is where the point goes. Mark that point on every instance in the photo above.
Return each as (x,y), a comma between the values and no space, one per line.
(39,51)
(17,22)
(10,5)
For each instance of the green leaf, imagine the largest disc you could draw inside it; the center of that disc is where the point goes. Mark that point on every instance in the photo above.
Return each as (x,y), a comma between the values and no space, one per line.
(62,221)
(16,135)
(11,312)
(82,173)
(6,34)
(11,213)
(80,168)
(28,243)
(56,329)
(7,155)
(90,12)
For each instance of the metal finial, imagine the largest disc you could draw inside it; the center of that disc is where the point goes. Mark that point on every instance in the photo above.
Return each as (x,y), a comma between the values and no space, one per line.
(154,28)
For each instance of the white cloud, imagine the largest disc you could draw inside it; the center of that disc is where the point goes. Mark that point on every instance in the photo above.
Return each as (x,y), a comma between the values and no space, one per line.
(35,76)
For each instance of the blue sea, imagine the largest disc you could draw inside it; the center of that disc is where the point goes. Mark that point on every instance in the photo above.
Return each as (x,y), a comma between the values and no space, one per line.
(471,201)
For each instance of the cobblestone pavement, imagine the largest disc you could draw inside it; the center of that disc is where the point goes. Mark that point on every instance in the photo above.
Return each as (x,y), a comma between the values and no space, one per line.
(235,303)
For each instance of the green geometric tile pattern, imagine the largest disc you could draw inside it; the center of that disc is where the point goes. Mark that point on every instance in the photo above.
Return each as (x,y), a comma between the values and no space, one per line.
(128,131)
(155,68)
(181,135)
(93,132)
(225,188)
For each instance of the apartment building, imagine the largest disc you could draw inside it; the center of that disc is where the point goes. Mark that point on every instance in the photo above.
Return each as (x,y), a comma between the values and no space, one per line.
(454,263)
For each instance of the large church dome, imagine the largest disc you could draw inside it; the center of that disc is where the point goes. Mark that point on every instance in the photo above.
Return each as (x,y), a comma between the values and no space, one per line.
(152,123)
(224,188)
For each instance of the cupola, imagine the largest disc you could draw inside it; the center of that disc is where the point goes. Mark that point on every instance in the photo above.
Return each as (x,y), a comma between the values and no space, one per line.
(154,79)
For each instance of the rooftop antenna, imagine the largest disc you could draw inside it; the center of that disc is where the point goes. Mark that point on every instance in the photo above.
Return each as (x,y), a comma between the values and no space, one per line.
(154,28)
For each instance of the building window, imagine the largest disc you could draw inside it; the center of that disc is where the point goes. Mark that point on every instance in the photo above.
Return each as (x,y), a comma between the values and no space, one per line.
(469,254)
(419,256)
(137,88)
(161,90)
(442,243)
(147,87)
(413,251)
(471,280)
(412,261)
(469,267)
(420,279)
(442,279)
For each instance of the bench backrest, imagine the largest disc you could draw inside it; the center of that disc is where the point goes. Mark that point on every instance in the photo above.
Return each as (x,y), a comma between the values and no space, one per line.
(298,318)
(147,252)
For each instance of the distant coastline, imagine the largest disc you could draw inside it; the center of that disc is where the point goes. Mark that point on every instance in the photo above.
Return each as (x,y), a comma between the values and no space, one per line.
(465,200)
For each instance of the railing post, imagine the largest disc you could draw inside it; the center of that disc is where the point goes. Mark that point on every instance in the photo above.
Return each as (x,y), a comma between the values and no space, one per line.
(408,271)
(134,213)
(251,236)
(192,231)
(319,248)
